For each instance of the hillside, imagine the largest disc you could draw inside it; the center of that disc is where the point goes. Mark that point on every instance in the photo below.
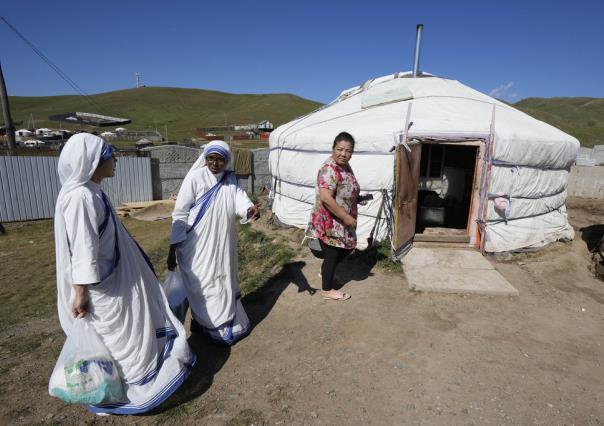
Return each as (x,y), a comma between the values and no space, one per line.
(581,117)
(181,110)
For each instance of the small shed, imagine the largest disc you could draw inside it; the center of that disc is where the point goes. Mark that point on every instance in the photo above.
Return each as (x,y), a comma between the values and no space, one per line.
(43,131)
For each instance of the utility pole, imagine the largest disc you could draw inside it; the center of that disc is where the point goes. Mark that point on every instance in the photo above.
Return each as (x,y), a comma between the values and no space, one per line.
(138,80)
(8,122)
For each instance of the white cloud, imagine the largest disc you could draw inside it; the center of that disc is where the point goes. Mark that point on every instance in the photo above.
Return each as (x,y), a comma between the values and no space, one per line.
(504,92)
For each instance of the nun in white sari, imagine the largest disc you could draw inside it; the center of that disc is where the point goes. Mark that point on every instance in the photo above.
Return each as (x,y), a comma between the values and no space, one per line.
(103,273)
(204,241)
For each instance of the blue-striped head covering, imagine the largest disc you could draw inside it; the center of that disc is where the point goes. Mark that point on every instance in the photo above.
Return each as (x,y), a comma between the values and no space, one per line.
(107,152)
(217,149)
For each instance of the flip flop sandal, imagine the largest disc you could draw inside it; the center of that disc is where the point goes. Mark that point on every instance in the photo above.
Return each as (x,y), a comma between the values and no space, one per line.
(345,296)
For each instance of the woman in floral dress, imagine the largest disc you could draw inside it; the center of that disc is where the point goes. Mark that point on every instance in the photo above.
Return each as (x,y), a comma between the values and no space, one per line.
(334,217)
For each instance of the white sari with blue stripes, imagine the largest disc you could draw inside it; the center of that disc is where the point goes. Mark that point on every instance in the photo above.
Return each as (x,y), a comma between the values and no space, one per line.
(205,231)
(127,306)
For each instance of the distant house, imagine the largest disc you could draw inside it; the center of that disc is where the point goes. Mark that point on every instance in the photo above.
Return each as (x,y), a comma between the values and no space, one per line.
(245,127)
(22,134)
(42,131)
(265,125)
(32,143)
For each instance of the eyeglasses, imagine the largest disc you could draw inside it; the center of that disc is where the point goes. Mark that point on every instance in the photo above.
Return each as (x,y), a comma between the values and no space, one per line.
(215,159)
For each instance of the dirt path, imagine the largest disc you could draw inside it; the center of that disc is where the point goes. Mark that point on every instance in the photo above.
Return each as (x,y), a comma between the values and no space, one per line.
(390,356)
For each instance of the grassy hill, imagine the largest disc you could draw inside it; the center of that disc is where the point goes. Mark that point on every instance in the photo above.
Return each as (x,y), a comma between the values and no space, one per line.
(181,110)
(581,117)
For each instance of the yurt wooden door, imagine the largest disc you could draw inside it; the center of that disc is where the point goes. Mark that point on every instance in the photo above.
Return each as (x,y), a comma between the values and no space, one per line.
(405,198)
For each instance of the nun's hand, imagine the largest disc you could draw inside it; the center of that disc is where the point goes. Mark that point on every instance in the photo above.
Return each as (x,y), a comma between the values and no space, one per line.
(253,212)
(79,307)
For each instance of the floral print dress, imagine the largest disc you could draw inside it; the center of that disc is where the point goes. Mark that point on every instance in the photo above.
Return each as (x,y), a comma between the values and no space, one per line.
(345,190)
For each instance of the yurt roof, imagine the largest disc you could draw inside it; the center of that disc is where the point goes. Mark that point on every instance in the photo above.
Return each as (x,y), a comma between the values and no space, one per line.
(376,110)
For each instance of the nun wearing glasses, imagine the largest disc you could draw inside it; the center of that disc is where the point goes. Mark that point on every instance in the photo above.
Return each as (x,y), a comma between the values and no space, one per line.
(204,244)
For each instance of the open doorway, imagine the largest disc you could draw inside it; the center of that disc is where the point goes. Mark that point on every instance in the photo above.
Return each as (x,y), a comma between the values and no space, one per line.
(445,192)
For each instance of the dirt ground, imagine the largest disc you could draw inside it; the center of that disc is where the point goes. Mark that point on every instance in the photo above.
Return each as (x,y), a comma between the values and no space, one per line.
(387,356)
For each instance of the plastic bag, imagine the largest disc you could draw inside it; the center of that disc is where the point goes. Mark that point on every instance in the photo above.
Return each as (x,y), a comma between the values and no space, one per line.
(85,373)
(176,294)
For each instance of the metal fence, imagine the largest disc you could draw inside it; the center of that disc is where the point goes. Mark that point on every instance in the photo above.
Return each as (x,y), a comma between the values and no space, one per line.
(47,152)
(29,186)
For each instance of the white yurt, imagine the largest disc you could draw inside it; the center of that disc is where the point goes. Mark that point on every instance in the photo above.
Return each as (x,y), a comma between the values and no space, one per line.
(22,134)
(443,161)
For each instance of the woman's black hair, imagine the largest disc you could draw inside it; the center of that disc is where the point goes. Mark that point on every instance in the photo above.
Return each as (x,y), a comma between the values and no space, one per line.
(343,136)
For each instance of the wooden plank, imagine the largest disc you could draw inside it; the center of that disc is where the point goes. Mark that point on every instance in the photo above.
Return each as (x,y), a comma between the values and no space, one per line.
(442,238)
(143,204)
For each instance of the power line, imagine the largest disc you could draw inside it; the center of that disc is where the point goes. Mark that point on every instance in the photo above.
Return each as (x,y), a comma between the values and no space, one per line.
(54,67)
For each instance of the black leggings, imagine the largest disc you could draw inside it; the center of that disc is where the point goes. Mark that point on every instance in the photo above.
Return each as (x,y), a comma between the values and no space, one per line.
(332,256)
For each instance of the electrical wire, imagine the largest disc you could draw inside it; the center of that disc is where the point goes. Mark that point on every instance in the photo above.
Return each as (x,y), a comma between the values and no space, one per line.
(54,67)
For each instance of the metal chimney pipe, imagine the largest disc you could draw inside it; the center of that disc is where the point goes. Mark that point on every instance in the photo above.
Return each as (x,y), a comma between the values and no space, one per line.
(418,45)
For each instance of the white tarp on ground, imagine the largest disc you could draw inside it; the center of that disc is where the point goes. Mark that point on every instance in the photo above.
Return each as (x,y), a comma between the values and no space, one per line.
(530,162)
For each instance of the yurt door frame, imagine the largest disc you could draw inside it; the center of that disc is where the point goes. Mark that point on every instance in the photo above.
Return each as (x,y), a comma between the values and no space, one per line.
(407,178)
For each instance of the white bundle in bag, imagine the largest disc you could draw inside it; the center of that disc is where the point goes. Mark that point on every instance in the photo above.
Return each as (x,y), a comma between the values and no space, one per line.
(85,373)
(176,293)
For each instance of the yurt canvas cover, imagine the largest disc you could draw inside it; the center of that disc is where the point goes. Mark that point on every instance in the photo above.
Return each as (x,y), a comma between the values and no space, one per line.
(520,164)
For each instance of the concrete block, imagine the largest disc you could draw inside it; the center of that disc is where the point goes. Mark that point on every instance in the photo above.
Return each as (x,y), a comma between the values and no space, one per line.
(586,182)
(444,257)
(446,270)
(467,281)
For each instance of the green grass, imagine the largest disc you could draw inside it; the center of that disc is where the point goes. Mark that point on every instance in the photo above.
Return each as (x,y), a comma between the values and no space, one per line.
(181,110)
(260,257)
(581,117)
(27,277)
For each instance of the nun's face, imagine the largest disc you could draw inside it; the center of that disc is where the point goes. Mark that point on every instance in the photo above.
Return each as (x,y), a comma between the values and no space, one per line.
(105,169)
(216,163)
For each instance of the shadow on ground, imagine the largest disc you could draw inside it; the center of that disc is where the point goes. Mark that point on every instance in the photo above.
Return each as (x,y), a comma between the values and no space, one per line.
(260,302)
(358,265)
(211,357)
(594,238)
(593,235)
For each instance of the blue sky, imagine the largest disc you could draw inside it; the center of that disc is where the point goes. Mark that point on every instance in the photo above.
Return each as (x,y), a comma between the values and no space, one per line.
(314,49)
